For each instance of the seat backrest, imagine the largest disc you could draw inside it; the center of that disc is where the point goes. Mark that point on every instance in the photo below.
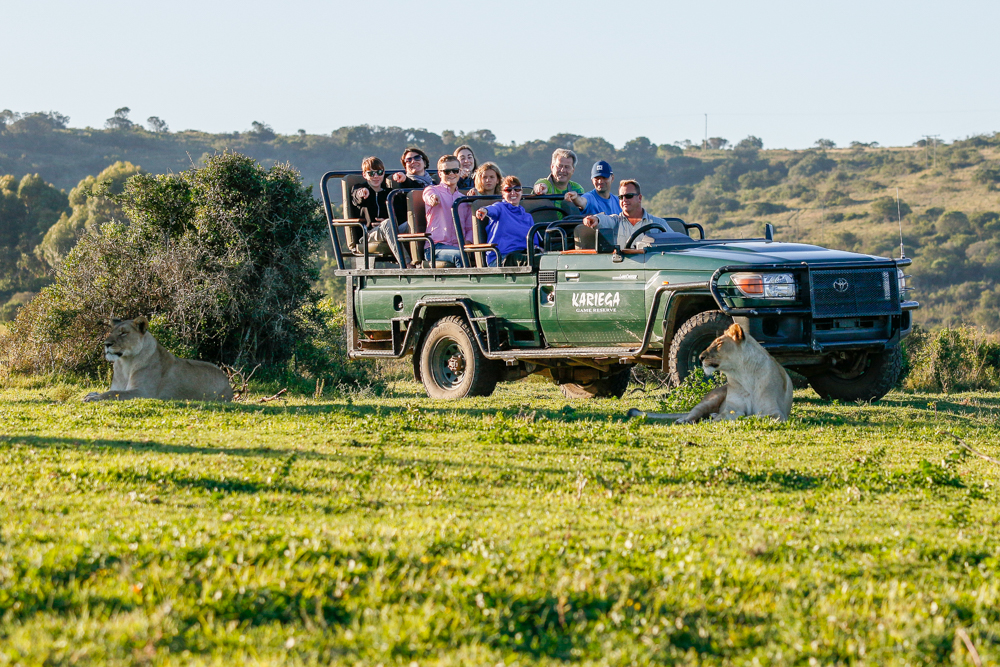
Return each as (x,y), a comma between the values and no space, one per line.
(532,205)
(347,183)
(416,214)
(478,226)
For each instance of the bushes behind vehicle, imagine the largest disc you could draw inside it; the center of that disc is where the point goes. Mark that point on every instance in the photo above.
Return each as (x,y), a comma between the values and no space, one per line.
(963,358)
(221,257)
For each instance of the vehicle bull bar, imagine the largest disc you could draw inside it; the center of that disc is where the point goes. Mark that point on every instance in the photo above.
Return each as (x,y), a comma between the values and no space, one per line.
(804,268)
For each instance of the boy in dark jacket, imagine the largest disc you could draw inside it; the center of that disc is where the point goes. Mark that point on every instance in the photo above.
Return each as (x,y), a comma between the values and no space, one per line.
(371,195)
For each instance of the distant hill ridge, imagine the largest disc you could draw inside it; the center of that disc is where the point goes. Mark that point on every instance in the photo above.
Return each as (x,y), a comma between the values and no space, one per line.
(839,197)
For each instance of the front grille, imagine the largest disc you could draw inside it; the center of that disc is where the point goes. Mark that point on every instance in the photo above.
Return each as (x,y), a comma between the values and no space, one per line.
(854,292)
(546,277)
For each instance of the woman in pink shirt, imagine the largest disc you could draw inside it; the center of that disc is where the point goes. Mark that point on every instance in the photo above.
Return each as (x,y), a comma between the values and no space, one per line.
(440,222)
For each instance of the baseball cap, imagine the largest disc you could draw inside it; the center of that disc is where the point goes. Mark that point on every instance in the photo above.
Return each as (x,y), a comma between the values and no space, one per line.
(602,169)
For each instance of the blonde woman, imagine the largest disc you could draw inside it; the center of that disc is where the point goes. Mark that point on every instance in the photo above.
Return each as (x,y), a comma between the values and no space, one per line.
(487,180)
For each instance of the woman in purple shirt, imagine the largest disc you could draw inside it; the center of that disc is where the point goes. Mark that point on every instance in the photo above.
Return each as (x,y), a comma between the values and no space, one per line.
(509,222)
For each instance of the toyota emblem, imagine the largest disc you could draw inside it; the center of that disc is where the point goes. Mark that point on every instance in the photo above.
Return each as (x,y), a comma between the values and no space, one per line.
(841,284)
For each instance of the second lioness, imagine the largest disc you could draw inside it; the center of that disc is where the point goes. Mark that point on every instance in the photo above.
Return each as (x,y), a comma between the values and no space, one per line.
(145,369)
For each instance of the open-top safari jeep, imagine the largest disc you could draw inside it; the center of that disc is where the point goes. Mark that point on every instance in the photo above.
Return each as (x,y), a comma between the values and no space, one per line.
(583,311)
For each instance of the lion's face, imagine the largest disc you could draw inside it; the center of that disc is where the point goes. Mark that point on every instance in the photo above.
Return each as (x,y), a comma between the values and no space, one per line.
(125,338)
(722,349)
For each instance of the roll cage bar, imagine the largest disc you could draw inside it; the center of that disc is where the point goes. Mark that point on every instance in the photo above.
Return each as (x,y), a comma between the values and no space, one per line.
(546,229)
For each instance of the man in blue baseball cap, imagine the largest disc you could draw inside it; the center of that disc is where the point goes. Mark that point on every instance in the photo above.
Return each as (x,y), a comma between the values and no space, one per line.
(598,200)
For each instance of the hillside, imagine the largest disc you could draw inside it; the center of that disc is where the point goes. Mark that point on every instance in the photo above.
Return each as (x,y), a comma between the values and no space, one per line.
(839,197)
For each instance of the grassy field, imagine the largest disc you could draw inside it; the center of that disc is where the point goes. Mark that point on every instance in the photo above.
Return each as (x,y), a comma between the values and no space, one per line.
(520,529)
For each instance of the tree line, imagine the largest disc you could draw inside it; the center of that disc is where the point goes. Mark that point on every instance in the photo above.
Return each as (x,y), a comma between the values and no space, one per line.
(833,196)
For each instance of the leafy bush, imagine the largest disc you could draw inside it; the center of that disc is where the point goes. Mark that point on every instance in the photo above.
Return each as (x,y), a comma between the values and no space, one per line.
(953,222)
(222,256)
(811,164)
(988,174)
(963,358)
(690,392)
(765,208)
(886,208)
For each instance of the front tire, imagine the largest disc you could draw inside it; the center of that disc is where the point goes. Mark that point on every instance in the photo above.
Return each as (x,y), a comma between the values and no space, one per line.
(867,377)
(692,339)
(613,386)
(451,363)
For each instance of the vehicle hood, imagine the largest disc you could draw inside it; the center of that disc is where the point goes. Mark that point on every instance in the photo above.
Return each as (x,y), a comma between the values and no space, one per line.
(749,252)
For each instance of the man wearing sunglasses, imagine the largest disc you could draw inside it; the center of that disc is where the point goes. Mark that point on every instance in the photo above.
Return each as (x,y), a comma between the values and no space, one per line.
(632,217)
(440,223)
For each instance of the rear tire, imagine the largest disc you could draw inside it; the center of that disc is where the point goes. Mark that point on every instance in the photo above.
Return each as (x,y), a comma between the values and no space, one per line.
(868,378)
(451,364)
(692,339)
(614,386)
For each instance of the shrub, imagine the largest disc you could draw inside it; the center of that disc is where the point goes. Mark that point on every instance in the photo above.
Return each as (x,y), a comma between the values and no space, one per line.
(885,208)
(811,164)
(987,174)
(964,358)
(222,256)
(689,393)
(953,222)
(987,222)
(765,208)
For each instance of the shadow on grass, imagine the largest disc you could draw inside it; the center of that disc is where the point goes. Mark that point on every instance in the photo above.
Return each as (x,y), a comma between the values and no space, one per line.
(150,446)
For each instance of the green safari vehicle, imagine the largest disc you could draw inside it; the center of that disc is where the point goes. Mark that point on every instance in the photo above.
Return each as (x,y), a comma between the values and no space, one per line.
(582,311)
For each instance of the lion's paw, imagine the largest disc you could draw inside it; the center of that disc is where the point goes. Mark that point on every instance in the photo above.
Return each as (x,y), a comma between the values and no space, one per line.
(91,397)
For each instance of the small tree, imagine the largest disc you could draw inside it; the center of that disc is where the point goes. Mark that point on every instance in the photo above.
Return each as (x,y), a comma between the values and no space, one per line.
(222,257)
(884,208)
(261,131)
(156,125)
(824,144)
(120,120)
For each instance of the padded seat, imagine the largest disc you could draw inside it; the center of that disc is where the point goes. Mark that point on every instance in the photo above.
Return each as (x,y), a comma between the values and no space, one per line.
(417,238)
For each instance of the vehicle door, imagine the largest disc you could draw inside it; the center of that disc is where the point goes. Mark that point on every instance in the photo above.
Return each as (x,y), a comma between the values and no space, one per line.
(598,301)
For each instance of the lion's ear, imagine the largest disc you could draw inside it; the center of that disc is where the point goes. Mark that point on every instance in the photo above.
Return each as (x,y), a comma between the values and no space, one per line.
(115,322)
(735,332)
(141,323)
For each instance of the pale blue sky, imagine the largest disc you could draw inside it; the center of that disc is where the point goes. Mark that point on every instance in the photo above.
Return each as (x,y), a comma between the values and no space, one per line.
(788,72)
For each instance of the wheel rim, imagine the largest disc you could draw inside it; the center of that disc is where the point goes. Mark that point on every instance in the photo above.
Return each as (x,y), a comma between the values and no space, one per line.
(852,369)
(447,364)
(694,358)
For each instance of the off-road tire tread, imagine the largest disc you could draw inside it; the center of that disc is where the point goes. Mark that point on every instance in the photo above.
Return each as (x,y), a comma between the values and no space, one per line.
(483,370)
(710,318)
(876,382)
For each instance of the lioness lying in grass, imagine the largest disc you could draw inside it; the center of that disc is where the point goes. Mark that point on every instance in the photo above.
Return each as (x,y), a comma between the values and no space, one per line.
(756,384)
(145,369)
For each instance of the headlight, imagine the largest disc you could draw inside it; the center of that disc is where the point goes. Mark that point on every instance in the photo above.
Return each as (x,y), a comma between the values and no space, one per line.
(902,283)
(765,285)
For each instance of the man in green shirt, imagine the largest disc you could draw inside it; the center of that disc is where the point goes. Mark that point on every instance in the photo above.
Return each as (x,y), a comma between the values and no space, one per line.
(558,181)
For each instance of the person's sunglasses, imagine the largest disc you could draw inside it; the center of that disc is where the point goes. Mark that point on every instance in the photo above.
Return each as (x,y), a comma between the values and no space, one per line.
(628,195)
(412,158)
(516,188)
(376,172)
(450,171)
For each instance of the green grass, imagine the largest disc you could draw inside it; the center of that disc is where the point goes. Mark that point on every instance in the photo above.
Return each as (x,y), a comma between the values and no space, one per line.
(520,529)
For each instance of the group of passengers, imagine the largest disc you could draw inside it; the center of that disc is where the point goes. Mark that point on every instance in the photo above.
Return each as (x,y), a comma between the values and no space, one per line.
(507,221)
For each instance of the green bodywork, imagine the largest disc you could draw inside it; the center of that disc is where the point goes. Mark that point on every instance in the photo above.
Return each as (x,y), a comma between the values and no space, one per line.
(593,300)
